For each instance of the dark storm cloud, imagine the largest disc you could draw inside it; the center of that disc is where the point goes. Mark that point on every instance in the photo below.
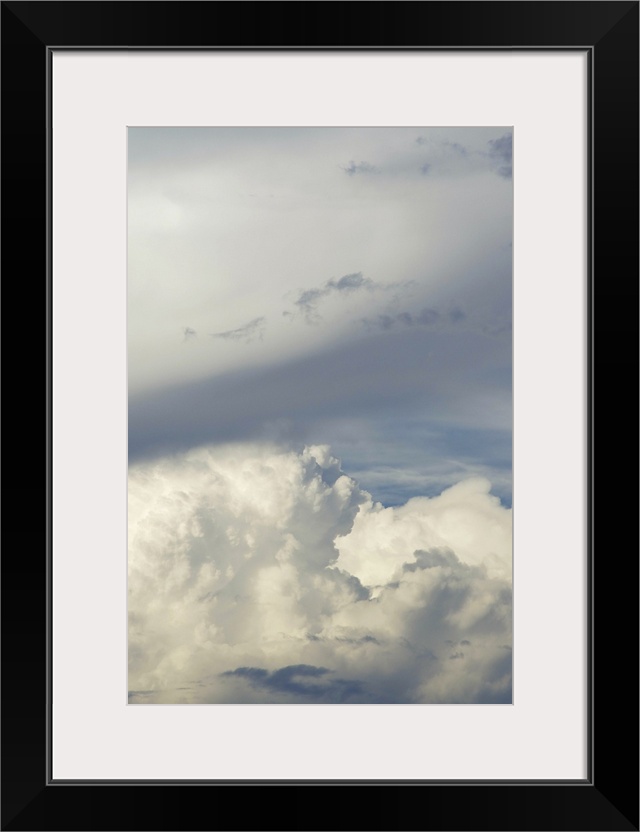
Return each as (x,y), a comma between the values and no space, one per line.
(501,153)
(253,674)
(363,167)
(299,680)
(249,332)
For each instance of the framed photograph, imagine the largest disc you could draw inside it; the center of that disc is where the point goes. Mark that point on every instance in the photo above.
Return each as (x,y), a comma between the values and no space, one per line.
(316,353)
(327,310)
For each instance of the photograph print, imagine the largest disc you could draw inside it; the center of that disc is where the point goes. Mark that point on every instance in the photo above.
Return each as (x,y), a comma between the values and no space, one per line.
(320,415)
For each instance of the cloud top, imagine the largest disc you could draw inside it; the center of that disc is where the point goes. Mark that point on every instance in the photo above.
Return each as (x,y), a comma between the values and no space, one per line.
(259,574)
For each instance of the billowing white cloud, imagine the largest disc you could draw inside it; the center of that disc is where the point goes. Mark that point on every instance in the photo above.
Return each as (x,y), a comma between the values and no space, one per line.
(465,519)
(263,574)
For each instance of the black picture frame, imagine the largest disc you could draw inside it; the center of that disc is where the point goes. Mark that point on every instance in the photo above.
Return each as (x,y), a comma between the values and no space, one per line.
(608,798)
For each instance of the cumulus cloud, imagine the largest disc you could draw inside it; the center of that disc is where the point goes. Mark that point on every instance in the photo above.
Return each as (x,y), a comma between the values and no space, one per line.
(465,523)
(247,333)
(259,574)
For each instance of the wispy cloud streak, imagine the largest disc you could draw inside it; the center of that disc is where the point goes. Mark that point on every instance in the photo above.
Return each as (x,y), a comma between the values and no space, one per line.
(307,301)
(249,332)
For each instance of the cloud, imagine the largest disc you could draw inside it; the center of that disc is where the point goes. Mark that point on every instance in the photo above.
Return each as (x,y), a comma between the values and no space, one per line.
(350,381)
(141,696)
(261,574)
(363,167)
(443,156)
(308,299)
(426,317)
(501,153)
(463,526)
(450,157)
(190,217)
(451,147)
(455,147)
(247,333)
(300,681)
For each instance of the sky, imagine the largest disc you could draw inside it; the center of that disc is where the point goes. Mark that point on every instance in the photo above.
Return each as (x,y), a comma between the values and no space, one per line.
(320,414)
